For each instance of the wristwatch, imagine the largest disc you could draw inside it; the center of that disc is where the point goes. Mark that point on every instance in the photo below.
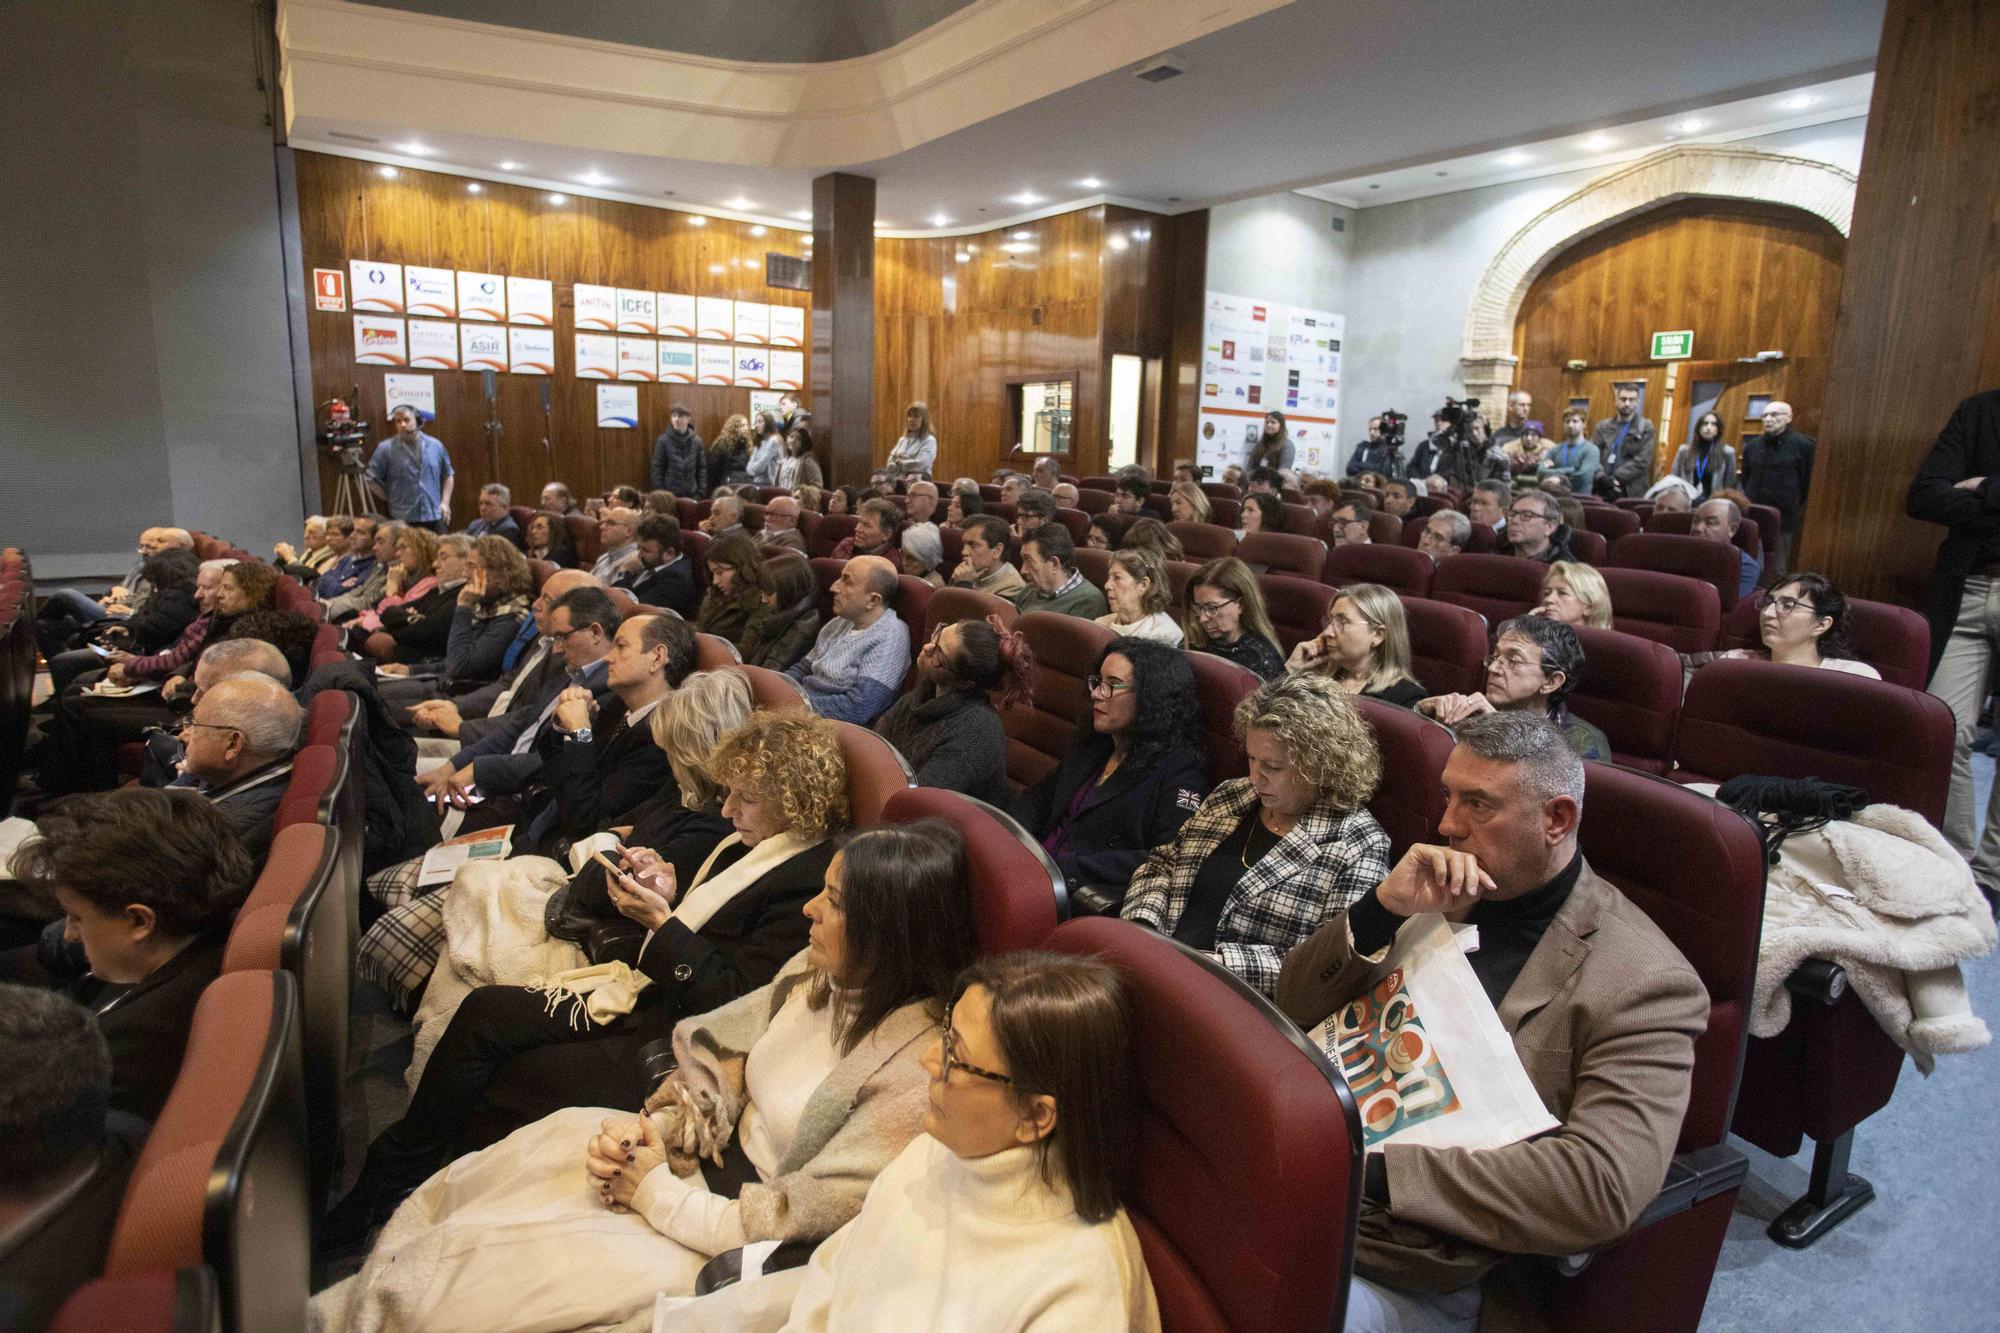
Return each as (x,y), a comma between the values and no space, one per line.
(581,734)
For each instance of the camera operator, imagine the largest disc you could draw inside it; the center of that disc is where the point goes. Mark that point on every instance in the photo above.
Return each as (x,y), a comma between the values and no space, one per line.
(1467,454)
(1382,450)
(411,473)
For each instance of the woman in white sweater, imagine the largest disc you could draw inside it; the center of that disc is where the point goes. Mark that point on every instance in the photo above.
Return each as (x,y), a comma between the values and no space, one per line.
(1139,594)
(915,453)
(785,1106)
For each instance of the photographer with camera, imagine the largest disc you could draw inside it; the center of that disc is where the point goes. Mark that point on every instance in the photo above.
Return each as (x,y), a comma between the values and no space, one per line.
(1382,450)
(411,473)
(1466,452)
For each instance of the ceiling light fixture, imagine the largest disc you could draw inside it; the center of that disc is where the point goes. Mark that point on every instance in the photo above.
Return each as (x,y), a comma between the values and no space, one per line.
(510,166)
(758,231)
(740,203)
(1798,102)
(940,220)
(1514,159)
(1026,198)
(386,173)
(804,215)
(1691,125)
(558,199)
(1022,236)
(697,220)
(595,177)
(1117,242)
(413,149)
(1090,183)
(1597,143)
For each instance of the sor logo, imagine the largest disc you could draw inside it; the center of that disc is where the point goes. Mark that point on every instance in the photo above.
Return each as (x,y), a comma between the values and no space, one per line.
(750,363)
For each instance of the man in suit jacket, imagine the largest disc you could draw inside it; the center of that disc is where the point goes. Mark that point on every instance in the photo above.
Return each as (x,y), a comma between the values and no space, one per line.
(240,742)
(663,576)
(1603,1010)
(496,518)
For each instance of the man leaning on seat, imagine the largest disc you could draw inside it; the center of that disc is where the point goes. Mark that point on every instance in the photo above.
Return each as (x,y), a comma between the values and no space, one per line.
(1602,1008)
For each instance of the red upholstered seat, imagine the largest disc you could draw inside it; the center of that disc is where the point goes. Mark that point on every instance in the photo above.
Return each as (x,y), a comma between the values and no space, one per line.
(1384,526)
(766,494)
(712,651)
(326,646)
(583,534)
(1221,684)
(1588,547)
(1895,640)
(1076,520)
(825,571)
(753,517)
(989,492)
(1297,607)
(830,531)
(1248,1165)
(1018,894)
(1204,541)
(1397,567)
(1770,525)
(1681,524)
(1498,587)
(1609,522)
(1631,691)
(1224,512)
(694,545)
(1221,490)
(1683,613)
(540,572)
(1447,646)
(912,604)
(521,514)
(154,1302)
(318,775)
(1283,553)
(328,718)
(771,689)
(291,595)
(875,772)
(1106,484)
(948,606)
(1094,565)
(1300,518)
(1092,501)
(1481,540)
(1065,649)
(1693,557)
(1179,574)
(222,1178)
(1158,506)
(1410,800)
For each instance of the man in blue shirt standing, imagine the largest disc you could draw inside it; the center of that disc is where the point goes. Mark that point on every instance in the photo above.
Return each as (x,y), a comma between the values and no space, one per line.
(411,473)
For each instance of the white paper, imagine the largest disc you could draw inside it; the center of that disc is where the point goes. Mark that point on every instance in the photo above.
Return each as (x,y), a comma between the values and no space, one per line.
(377,287)
(753,368)
(618,406)
(482,296)
(531,351)
(531,301)
(676,312)
(433,344)
(677,363)
(596,356)
(418,391)
(715,317)
(788,369)
(481,348)
(753,323)
(636,313)
(430,291)
(378,341)
(442,861)
(1262,356)
(596,307)
(716,365)
(788,326)
(637,361)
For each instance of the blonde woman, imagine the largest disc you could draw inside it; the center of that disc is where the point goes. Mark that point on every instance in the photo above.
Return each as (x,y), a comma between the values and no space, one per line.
(915,453)
(1187,503)
(1364,648)
(1138,593)
(1574,593)
(1224,614)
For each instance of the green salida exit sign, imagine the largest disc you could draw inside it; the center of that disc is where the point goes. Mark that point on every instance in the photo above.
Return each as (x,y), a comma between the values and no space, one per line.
(1677,346)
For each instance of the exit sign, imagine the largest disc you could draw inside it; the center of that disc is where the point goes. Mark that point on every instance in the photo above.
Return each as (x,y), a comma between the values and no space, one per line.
(1673,346)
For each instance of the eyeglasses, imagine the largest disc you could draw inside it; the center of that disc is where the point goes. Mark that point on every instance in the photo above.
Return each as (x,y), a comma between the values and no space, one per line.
(1515,662)
(1785,605)
(562,635)
(1106,684)
(1516,515)
(951,1060)
(206,726)
(1215,608)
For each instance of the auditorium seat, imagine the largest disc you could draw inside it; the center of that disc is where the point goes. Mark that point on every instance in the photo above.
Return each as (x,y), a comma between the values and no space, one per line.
(1077,521)
(1179,574)
(1428,505)
(1225,513)
(1157,506)
(1409,801)
(1480,541)
(1447,646)
(1691,557)
(1109,485)
(1498,587)
(830,531)
(771,689)
(1588,547)
(1092,502)
(326,647)
(948,606)
(1895,640)
(694,545)
(1384,526)
(1610,523)
(1398,567)
(325,787)
(1770,526)
(1300,519)
(1631,691)
(1282,553)
(628,605)
(1065,649)
(712,651)
(1684,614)
(1017,893)
(161,1301)
(540,572)
(1001,510)
(1204,541)
(1681,524)
(222,1180)
(1220,685)
(1297,607)
(521,514)
(766,494)
(753,517)
(583,535)
(989,492)
(1094,565)
(875,772)
(1221,490)
(912,604)
(1247,1176)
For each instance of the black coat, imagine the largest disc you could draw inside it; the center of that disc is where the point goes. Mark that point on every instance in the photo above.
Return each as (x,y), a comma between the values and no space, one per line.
(1777,471)
(680,464)
(954,741)
(1142,807)
(669,585)
(1968,446)
(146,1026)
(596,782)
(159,620)
(421,628)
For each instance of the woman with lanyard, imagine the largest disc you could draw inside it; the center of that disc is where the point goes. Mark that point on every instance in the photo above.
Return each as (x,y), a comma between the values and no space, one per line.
(1705,463)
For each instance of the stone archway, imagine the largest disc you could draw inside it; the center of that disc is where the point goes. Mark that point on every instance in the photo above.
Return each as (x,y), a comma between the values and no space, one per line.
(1691,171)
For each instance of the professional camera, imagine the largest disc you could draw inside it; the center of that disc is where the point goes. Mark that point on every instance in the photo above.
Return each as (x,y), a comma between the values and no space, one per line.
(343,436)
(1393,425)
(1455,411)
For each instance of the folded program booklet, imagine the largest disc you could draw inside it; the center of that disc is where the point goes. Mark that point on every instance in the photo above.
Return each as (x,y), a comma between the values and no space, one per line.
(442,861)
(1426,1055)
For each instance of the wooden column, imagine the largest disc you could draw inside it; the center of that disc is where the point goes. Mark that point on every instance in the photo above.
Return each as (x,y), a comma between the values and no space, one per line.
(1919,325)
(843,326)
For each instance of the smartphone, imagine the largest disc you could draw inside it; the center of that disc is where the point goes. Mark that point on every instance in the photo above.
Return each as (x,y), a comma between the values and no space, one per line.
(611,868)
(100,650)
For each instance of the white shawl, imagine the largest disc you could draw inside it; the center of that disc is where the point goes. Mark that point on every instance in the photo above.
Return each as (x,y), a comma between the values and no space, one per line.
(708,894)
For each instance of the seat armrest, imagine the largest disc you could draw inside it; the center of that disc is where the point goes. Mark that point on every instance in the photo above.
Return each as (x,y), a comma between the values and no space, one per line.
(726,1269)
(1095,900)
(1692,1177)
(1818,980)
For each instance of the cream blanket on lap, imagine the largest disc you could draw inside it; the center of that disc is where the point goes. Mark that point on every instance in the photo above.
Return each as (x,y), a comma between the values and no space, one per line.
(512,1239)
(493,936)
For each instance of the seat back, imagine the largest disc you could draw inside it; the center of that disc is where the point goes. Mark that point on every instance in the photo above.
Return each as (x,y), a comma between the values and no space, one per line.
(1180,573)
(830,531)
(1384,526)
(712,651)
(912,604)
(1588,547)
(1077,521)
(1770,525)
(1224,512)
(1631,691)
(187,1301)
(1297,607)
(1299,518)
(326,647)
(583,535)
(222,1180)
(948,606)
(1204,541)
(1396,567)
(1094,565)
(1895,640)
(1221,490)
(875,772)
(771,689)
(1247,1169)
(1018,894)
(1038,736)
(1409,802)
(1610,523)
(1220,685)
(1091,501)
(1693,557)
(1683,613)
(328,718)
(1108,485)
(1283,553)
(1746,716)
(1447,646)
(1498,587)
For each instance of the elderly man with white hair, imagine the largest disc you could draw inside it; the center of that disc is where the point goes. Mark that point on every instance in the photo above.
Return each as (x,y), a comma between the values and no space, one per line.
(1777,471)
(781,524)
(725,518)
(240,742)
(1717,521)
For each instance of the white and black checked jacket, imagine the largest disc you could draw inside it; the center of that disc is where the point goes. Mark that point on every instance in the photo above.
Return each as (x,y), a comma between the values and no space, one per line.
(1328,860)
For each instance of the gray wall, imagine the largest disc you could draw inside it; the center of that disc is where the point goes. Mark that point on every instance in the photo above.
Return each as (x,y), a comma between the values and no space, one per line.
(1282,247)
(145,367)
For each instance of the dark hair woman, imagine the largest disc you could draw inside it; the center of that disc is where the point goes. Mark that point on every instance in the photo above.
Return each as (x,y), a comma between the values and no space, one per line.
(1260,513)
(1107,531)
(1803,621)
(1274,447)
(1134,773)
(783,630)
(947,727)
(1224,614)
(547,538)
(798,467)
(844,500)
(1707,463)
(735,588)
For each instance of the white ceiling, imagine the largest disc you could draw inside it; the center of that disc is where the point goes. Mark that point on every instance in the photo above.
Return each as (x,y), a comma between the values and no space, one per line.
(1329,96)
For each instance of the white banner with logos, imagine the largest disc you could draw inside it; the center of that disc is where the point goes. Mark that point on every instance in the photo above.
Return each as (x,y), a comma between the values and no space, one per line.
(1262,356)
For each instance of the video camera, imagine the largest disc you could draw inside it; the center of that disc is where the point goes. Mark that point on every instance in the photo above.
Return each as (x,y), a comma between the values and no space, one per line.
(1393,425)
(343,436)
(1455,411)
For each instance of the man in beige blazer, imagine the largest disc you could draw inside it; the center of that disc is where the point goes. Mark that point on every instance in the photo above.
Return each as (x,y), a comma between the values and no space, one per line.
(1603,1010)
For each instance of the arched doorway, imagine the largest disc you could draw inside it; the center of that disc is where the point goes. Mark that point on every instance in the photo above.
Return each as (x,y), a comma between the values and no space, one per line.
(1748,279)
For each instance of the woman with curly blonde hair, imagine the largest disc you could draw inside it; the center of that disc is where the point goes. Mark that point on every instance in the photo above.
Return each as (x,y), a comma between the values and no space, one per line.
(1270,858)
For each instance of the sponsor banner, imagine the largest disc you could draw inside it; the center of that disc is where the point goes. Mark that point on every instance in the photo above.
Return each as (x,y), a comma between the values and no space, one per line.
(596,356)
(531,351)
(753,368)
(481,348)
(636,313)
(637,360)
(378,341)
(377,287)
(418,391)
(617,406)
(596,307)
(430,291)
(1261,356)
(715,317)
(788,326)
(433,344)
(788,369)
(676,315)
(531,301)
(482,296)
(753,323)
(714,365)
(677,363)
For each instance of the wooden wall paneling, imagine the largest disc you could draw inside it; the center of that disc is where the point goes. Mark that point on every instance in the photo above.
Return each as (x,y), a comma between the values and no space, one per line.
(1918,329)
(1187,306)
(842,367)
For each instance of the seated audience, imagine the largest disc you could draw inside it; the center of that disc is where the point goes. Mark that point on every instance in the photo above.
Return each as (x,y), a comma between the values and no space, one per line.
(785,628)
(1584,974)
(313,556)
(618,534)
(661,574)
(487,607)
(1138,594)
(1046,473)
(922,549)
(1147,533)
(1128,498)
(1224,614)
(419,630)
(725,518)
(1187,502)
(1804,621)
(961,508)
(364,595)
(1364,647)
(1487,503)
(1534,665)
(858,662)
(1233,475)
(1399,498)
(1035,507)
(1066,494)
(983,562)
(1445,533)
(1717,521)
(1271,857)
(152,625)
(1265,481)
(781,524)
(878,529)
(812,499)
(65,1155)
(556,499)
(947,727)
(729,933)
(495,515)
(166,750)
(412,586)
(149,883)
(530,663)
(1107,531)
(1261,512)
(239,744)
(921,502)
(735,587)
(1348,524)
(355,566)
(843,500)
(548,539)
(1048,564)
(1671,495)
(1574,594)
(1535,529)
(1134,773)
(1321,497)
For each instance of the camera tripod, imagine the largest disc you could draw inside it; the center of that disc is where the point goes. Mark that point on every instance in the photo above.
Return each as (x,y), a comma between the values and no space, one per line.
(353,497)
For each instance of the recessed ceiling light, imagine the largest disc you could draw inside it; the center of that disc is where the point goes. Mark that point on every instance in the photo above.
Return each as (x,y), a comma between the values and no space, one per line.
(1514,159)
(510,166)
(1597,143)
(595,177)
(558,199)
(804,215)
(1026,198)
(882,224)
(386,173)
(413,149)
(739,202)
(940,220)
(1117,242)
(1798,102)
(1691,125)
(1090,183)
(697,220)
(474,187)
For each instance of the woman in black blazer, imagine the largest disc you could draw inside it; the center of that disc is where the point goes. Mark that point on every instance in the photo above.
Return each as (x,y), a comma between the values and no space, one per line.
(726,934)
(1134,774)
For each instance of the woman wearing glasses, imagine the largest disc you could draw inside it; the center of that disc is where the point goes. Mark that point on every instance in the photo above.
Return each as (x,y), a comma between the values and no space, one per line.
(1803,622)
(782,1108)
(1364,648)
(1270,858)
(1224,614)
(947,727)
(1133,775)
(1535,664)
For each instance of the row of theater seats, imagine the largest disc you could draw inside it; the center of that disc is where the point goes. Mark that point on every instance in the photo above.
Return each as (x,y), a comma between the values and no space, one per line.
(17,668)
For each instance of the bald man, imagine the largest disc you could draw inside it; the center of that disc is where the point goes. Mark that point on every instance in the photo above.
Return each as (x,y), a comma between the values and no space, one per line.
(781,524)
(240,743)
(859,661)
(1777,471)
(66,611)
(921,502)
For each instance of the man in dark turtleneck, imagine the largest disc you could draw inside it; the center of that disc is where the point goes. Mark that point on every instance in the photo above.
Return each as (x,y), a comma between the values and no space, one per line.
(1603,1010)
